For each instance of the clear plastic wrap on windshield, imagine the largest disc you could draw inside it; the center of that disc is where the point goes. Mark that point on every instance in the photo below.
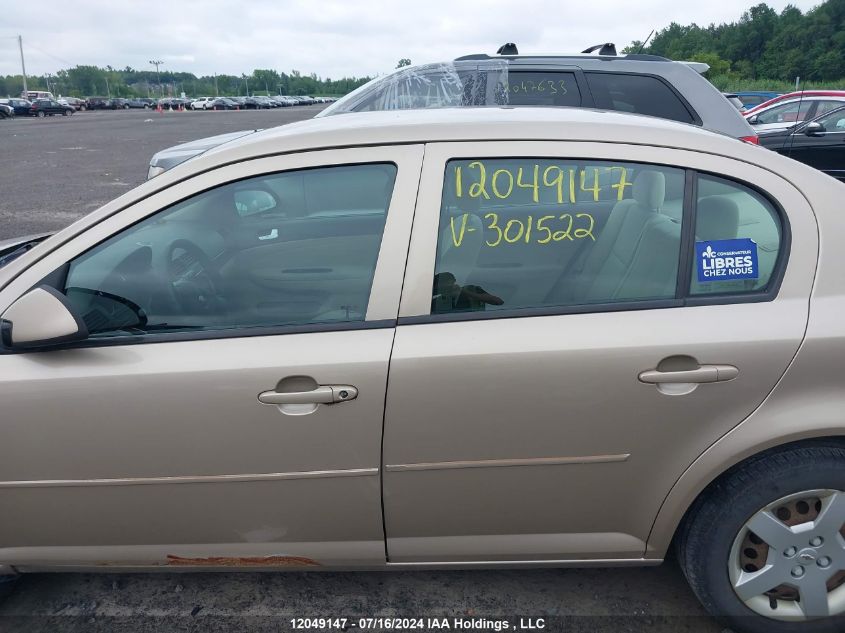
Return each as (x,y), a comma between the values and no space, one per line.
(443,85)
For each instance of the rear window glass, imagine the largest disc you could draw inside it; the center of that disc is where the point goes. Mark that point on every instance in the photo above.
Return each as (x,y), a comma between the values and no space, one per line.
(543,89)
(638,94)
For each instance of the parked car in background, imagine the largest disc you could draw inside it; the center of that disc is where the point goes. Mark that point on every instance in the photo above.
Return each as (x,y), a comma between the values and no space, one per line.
(6,111)
(170,157)
(201,103)
(819,143)
(99,103)
(265,102)
(80,105)
(753,98)
(142,102)
(47,107)
(654,366)
(223,103)
(174,103)
(285,100)
(735,101)
(20,106)
(245,103)
(786,110)
(32,95)
(640,84)
(119,103)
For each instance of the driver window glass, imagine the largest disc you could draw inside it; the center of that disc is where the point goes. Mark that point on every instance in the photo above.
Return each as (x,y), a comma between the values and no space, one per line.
(291,248)
(833,122)
(787,113)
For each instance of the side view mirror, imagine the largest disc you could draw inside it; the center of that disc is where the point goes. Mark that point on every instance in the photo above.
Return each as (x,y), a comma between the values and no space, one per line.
(814,128)
(753,119)
(40,318)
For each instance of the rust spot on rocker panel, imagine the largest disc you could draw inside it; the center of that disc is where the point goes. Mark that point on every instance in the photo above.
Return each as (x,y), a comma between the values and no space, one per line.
(250,561)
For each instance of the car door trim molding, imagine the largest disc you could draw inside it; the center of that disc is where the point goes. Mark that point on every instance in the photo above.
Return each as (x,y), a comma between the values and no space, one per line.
(190,479)
(529,563)
(504,463)
(211,334)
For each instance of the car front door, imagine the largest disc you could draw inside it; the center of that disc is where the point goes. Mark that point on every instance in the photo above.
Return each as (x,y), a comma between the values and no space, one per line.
(227,406)
(824,149)
(552,292)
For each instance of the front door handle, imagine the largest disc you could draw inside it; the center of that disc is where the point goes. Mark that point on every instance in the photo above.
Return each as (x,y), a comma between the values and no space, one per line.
(324,394)
(704,373)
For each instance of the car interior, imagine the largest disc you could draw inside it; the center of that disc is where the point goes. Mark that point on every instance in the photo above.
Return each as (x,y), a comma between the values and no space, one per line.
(631,254)
(289,248)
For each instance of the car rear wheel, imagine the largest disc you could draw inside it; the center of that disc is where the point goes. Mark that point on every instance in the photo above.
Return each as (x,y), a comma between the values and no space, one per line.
(764,548)
(40,114)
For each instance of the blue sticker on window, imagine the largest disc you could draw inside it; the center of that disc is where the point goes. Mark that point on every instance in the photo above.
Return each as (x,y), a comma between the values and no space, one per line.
(725,260)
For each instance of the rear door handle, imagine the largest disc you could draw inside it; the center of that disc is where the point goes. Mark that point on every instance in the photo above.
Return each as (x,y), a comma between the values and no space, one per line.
(324,394)
(705,373)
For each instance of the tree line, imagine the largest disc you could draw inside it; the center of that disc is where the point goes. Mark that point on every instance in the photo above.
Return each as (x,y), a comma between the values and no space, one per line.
(87,81)
(764,48)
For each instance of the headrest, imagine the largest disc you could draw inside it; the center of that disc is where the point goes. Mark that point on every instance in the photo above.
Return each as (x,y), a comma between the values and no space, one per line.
(650,189)
(717,218)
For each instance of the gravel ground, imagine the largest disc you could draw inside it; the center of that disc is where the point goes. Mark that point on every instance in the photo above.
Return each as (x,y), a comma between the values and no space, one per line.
(643,600)
(57,169)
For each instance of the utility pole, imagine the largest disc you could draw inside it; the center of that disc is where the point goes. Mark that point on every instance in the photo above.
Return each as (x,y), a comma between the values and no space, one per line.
(216,91)
(23,65)
(247,85)
(158,63)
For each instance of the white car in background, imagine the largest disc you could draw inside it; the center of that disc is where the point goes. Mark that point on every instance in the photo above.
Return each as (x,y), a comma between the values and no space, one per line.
(201,103)
(786,110)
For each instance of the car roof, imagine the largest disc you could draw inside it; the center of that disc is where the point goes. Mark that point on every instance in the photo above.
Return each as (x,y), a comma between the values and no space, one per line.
(462,123)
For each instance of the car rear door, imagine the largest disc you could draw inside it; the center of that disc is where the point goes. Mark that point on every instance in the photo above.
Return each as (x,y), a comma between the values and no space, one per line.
(535,414)
(227,408)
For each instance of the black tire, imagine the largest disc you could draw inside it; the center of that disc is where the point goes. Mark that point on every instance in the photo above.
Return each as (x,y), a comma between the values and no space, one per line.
(705,539)
(41,114)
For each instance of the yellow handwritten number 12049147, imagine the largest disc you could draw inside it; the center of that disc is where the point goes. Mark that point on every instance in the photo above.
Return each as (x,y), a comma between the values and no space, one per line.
(503,182)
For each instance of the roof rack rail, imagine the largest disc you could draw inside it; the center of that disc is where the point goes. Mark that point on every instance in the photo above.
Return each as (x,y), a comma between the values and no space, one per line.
(608,48)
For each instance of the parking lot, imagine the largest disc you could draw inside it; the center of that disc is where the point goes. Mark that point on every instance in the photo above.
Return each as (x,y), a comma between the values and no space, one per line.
(56,170)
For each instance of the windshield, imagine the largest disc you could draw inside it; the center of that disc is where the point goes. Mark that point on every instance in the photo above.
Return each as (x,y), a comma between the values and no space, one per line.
(441,85)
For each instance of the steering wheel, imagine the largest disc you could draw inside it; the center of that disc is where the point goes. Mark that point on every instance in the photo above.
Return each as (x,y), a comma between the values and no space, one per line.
(192,278)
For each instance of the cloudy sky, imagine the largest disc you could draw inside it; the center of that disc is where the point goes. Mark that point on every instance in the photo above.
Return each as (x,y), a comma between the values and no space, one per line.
(327,37)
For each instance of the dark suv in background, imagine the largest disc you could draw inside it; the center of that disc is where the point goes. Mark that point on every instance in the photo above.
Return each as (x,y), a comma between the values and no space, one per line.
(20,106)
(99,103)
(48,107)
